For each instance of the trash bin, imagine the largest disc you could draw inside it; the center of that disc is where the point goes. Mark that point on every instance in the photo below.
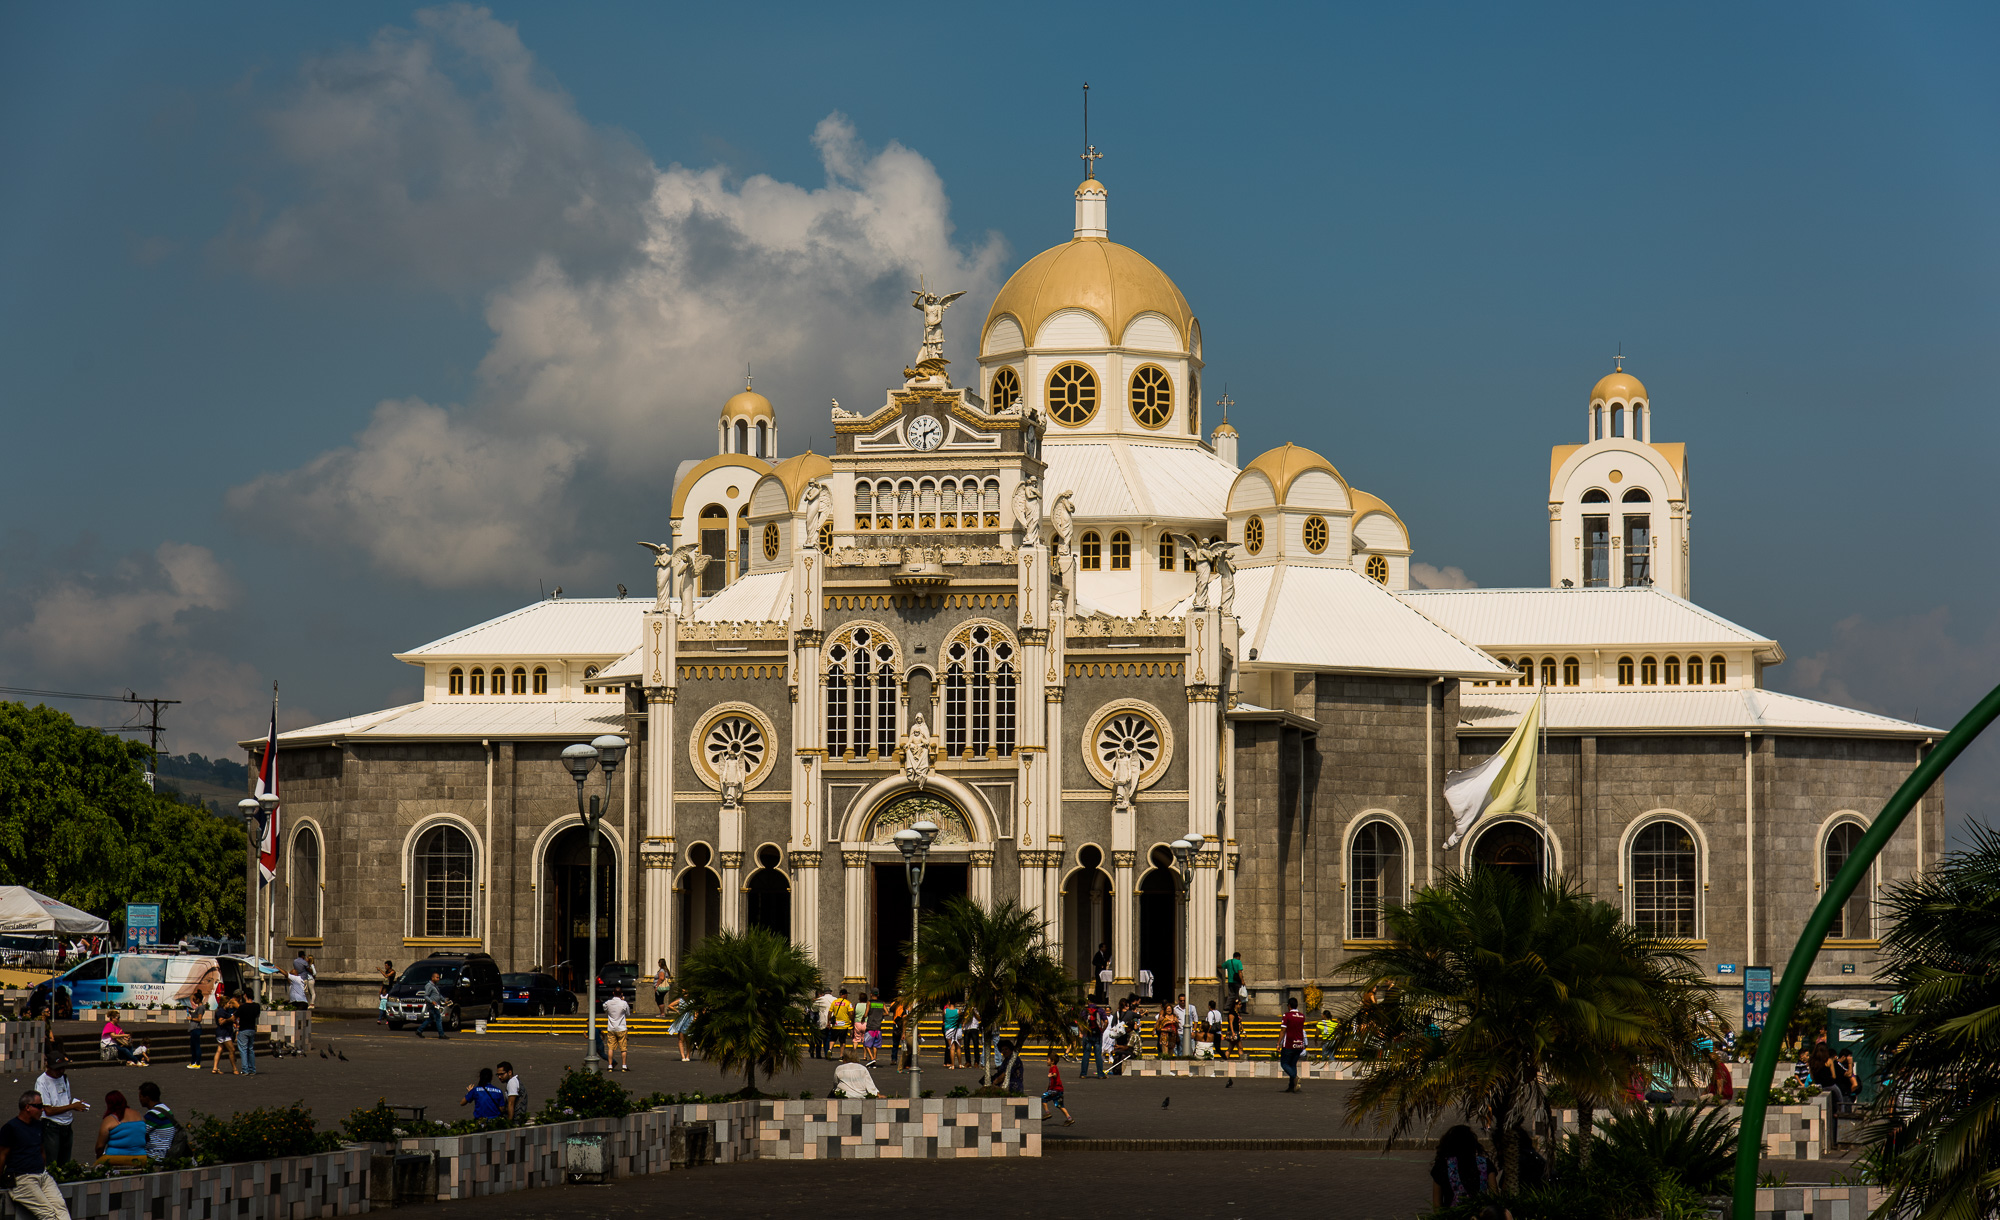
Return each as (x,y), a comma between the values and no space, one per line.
(584,1159)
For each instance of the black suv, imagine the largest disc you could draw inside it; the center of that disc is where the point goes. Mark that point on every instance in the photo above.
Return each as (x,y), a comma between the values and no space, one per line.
(622,975)
(535,995)
(471,981)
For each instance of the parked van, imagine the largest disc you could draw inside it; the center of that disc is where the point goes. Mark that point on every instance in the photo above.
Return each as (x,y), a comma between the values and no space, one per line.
(149,978)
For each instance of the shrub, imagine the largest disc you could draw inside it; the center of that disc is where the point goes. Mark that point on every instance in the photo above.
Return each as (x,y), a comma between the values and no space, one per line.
(1697,1148)
(960,1091)
(583,1094)
(259,1135)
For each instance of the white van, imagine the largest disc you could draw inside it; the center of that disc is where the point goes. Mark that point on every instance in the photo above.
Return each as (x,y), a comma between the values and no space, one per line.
(151,978)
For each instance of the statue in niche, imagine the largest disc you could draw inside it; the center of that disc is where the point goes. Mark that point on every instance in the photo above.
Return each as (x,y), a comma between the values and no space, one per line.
(733,772)
(1126,766)
(917,752)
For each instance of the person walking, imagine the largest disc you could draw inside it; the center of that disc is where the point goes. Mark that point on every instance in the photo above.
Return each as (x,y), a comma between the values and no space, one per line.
(434,1002)
(1232,970)
(1052,1096)
(488,1100)
(225,1035)
(616,1010)
(954,1037)
(510,1085)
(1459,1170)
(247,1014)
(871,1036)
(839,1021)
(1232,1028)
(59,1109)
(822,1016)
(663,981)
(27,1162)
(682,1023)
(1092,1037)
(1292,1043)
(195,1008)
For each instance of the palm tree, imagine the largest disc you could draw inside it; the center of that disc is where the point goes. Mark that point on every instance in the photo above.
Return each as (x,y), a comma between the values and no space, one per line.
(1495,989)
(751,992)
(1938,1119)
(997,962)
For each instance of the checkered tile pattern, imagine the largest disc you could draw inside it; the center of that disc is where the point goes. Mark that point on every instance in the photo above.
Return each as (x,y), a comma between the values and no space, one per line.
(937,1129)
(295,1188)
(1817,1202)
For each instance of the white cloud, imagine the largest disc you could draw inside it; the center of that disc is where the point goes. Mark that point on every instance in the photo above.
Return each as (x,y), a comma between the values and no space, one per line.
(603,370)
(79,619)
(1428,576)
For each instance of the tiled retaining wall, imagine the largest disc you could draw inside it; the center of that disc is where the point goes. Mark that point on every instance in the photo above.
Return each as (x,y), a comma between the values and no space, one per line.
(1816,1202)
(526,1158)
(938,1129)
(1791,1133)
(1309,1069)
(21,1048)
(294,1188)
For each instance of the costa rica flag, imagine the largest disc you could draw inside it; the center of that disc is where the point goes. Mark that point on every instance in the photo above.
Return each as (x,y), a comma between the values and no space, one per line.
(267,823)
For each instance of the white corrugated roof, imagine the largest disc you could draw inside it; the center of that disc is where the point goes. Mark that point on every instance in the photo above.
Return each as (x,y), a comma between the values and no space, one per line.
(1683,710)
(1116,478)
(471,718)
(1336,618)
(1578,618)
(761,597)
(624,669)
(559,627)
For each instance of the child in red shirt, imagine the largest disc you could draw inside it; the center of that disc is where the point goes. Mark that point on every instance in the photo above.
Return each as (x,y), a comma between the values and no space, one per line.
(1052,1097)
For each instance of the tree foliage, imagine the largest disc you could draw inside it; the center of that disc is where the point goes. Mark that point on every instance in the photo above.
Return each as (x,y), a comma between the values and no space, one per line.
(78,823)
(1938,1116)
(1495,989)
(752,994)
(996,961)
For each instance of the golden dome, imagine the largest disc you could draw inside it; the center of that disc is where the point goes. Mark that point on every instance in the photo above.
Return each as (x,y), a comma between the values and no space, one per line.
(1225,428)
(1618,385)
(749,403)
(1283,466)
(797,471)
(1093,186)
(1114,282)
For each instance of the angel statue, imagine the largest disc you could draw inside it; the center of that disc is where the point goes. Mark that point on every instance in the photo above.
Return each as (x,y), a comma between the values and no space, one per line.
(1028,506)
(933,306)
(1125,770)
(1062,515)
(689,561)
(1209,558)
(732,771)
(663,574)
(818,503)
(917,752)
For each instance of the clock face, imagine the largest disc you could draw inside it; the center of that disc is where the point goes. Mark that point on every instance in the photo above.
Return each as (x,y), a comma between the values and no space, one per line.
(924,432)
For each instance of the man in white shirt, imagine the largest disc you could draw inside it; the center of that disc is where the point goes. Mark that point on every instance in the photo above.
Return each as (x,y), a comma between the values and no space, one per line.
(58,1113)
(851,1079)
(1185,1014)
(616,1010)
(512,1083)
(822,1007)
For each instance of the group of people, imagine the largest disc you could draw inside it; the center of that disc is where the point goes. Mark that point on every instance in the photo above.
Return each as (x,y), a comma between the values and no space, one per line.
(43,1133)
(234,1019)
(491,1098)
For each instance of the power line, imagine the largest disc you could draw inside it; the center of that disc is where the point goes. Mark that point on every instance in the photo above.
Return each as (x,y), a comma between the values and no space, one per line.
(65,694)
(153,706)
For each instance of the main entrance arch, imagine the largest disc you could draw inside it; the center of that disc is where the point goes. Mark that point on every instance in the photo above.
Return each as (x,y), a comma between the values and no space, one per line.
(566,904)
(946,876)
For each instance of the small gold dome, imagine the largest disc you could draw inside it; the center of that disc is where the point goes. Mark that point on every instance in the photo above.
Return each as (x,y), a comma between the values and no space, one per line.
(797,471)
(1114,282)
(1225,428)
(1618,385)
(1091,186)
(749,403)
(1283,465)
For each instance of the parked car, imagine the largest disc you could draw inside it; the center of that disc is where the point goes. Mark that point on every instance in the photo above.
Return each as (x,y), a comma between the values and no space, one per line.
(535,995)
(471,981)
(622,975)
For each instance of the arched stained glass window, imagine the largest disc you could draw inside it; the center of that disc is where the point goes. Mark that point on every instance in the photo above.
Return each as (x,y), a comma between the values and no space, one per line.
(1663,871)
(861,694)
(1624,671)
(980,699)
(456,681)
(1093,552)
(1852,921)
(441,884)
(1548,671)
(1167,552)
(1374,879)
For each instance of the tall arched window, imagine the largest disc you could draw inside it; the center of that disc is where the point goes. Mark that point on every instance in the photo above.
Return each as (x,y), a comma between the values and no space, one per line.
(762,447)
(1663,869)
(541,680)
(1597,423)
(1649,671)
(861,694)
(1548,671)
(478,681)
(979,695)
(520,680)
(441,884)
(1167,552)
(743,540)
(1618,421)
(1624,671)
(1006,388)
(1378,569)
(302,885)
(1253,535)
(1718,670)
(1374,879)
(1093,552)
(455,681)
(1671,674)
(742,436)
(1694,671)
(715,545)
(1852,921)
(1527,667)
(1572,672)
(1121,552)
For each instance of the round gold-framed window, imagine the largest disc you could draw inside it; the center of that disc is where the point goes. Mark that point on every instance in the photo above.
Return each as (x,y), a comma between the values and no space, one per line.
(771,540)
(1152,396)
(1005,389)
(738,728)
(826,536)
(1253,535)
(1131,724)
(1072,394)
(1316,534)
(1378,569)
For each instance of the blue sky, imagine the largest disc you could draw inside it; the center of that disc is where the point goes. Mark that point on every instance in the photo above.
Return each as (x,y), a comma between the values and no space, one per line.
(328,330)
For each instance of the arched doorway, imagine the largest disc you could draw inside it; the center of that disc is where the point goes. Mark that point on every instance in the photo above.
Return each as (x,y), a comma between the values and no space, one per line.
(769,892)
(945,877)
(1515,847)
(699,897)
(1159,923)
(1086,915)
(566,911)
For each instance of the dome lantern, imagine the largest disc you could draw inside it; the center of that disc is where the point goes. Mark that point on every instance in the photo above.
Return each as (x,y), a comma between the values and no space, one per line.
(1091,210)
(748,425)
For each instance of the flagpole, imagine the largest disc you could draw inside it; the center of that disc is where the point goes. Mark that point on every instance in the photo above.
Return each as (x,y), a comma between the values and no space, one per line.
(1541,810)
(270,893)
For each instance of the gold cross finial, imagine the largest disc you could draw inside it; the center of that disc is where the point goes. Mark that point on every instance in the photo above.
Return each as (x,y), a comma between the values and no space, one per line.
(1225,402)
(746,374)
(1618,365)
(1090,153)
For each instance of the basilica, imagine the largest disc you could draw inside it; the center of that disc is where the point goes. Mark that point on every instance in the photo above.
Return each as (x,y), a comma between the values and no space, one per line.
(1039,601)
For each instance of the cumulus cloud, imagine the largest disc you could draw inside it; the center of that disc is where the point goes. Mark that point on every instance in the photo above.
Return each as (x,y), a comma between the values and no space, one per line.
(1429,576)
(603,370)
(145,598)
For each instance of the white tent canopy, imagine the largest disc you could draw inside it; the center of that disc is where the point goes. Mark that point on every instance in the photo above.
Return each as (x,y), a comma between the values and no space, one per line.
(24,910)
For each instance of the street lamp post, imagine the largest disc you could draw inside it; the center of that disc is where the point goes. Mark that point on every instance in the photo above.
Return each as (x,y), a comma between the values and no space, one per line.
(605,752)
(1184,869)
(915,844)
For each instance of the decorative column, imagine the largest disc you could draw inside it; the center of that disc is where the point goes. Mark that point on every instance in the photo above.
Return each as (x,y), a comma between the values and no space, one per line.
(805,868)
(982,878)
(856,924)
(1125,907)
(656,848)
(808,737)
(1210,641)
(731,863)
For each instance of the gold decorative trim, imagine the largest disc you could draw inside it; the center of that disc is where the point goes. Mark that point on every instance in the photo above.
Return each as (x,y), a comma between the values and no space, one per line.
(1830,943)
(854,859)
(731,859)
(805,859)
(982,859)
(305,942)
(1124,859)
(441,942)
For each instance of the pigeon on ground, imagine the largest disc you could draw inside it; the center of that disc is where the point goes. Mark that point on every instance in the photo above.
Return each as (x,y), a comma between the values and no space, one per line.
(1165,1102)
(343,1055)
(322,1054)
(1231,1084)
